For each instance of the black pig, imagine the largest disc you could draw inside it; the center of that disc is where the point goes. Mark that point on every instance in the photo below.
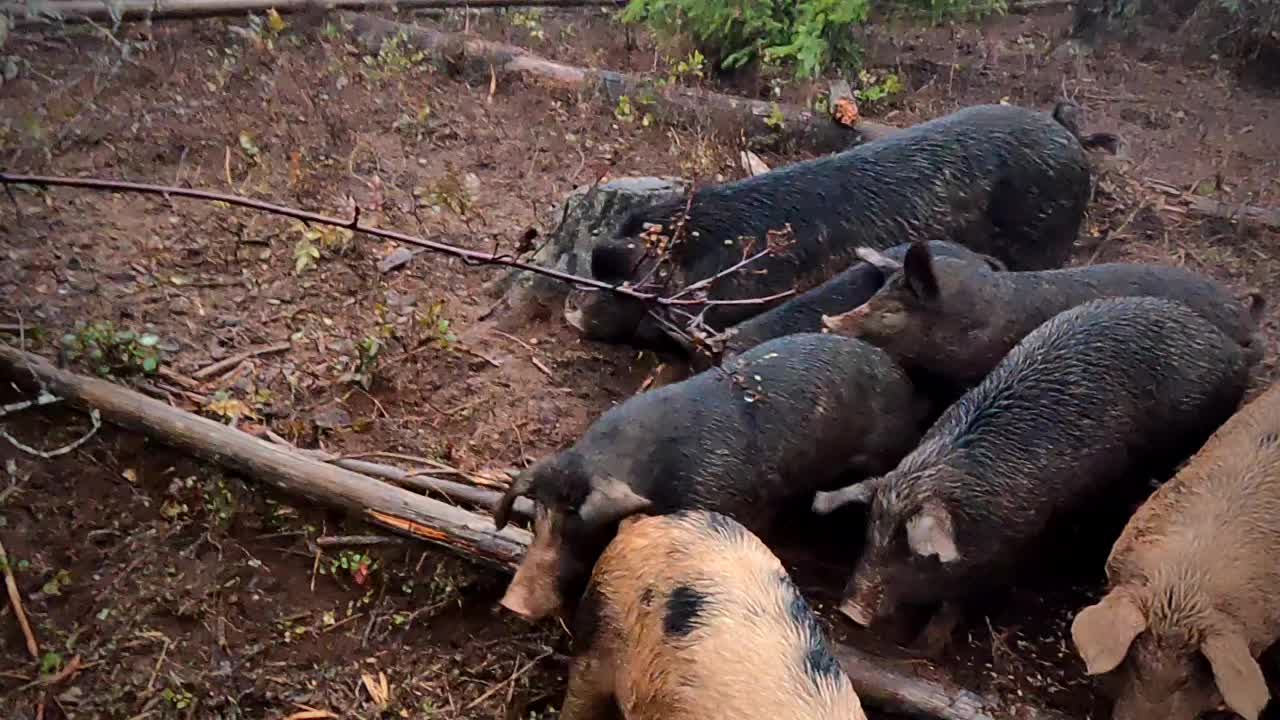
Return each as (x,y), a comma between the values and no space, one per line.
(1005,181)
(779,422)
(956,320)
(1099,390)
(842,293)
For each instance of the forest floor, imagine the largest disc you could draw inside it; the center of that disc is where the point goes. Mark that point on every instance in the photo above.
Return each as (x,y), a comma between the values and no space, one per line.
(184,591)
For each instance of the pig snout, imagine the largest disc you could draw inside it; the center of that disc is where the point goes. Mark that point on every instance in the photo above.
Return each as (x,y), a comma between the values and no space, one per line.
(848,324)
(533,593)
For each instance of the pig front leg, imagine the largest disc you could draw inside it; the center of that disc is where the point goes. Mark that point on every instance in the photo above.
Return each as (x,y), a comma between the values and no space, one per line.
(938,632)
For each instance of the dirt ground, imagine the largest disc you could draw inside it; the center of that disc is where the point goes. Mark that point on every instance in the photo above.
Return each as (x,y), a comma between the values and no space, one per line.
(182,591)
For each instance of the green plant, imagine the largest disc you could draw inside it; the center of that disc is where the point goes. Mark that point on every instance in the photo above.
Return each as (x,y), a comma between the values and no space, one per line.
(435,327)
(180,699)
(688,67)
(367,352)
(529,21)
(875,90)
(394,57)
(809,35)
(108,349)
(359,566)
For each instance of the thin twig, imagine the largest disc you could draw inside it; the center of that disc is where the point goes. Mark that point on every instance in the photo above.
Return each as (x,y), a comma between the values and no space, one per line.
(50,454)
(354,224)
(227,363)
(514,676)
(474,257)
(15,599)
(358,540)
(45,398)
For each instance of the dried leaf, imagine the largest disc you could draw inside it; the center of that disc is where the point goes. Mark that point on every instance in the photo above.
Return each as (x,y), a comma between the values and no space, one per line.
(229,408)
(275,22)
(295,169)
(247,144)
(845,112)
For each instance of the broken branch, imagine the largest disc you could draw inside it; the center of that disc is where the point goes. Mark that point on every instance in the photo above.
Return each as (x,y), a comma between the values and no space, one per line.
(15,599)
(396,508)
(731,115)
(227,363)
(82,10)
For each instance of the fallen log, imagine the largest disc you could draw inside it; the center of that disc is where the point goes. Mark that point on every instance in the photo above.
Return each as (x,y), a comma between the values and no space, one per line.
(763,122)
(884,686)
(378,502)
(456,491)
(1268,217)
(97,10)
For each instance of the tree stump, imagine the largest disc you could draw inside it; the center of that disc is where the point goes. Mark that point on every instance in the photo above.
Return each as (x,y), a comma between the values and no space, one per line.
(588,214)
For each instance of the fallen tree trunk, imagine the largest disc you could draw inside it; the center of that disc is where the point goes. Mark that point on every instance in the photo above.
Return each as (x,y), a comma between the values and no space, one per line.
(79,10)
(456,491)
(881,685)
(1268,217)
(378,502)
(762,122)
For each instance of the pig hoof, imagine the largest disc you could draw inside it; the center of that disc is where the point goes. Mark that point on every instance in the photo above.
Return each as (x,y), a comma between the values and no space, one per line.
(856,613)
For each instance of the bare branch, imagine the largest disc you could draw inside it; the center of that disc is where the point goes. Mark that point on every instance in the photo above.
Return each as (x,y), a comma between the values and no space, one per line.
(50,454)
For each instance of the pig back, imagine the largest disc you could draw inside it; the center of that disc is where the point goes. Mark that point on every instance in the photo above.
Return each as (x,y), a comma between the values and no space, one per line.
(1080,404)
(780,420)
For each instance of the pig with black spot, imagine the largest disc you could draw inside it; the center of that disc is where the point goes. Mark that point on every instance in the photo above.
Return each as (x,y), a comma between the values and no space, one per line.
(689,616)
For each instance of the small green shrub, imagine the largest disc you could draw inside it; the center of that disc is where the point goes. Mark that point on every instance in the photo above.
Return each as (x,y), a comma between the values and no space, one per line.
(810,35)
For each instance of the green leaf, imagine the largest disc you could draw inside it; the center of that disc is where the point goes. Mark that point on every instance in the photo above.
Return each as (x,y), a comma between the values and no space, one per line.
(305,255)
(148,340)
(247,144)
(50,663)
(150,365)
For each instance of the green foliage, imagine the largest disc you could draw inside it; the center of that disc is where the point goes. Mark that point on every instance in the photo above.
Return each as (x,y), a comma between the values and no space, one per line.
(111,350)
(809,35)
(876,90)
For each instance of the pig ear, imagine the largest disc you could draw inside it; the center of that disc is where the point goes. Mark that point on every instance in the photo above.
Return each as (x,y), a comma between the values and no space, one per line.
(1103,632)
(611,500)
(879,260)
(520,485)
(931,532)
(918,269)
(1237,674)
(995,263)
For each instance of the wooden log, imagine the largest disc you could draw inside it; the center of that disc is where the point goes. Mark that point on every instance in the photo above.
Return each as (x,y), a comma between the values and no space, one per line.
(880,684)
(1267,217)
(763,122)
(383,504)
(459,492)
(97,10)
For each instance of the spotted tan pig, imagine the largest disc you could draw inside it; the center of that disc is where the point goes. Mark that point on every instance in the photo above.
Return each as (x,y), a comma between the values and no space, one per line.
(689,615)
(1195,582)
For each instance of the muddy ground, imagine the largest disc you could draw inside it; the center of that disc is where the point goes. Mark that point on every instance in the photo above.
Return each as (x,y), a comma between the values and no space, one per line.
(183,591)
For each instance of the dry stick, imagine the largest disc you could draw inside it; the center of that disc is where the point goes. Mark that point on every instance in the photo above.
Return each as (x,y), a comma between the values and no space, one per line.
(357,540)
(227,363)
(80,10)
(455,491)
(15,599)
(733,116)
(1270,217)
(353,224)
(393,507)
